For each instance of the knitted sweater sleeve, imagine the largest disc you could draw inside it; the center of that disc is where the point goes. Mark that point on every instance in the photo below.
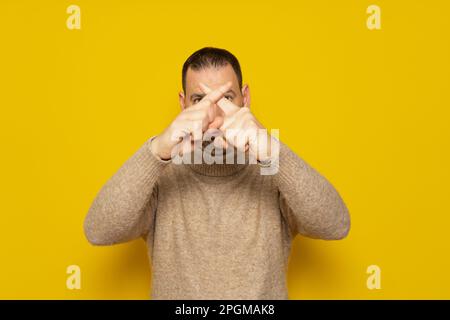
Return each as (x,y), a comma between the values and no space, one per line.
(310,204)
(124,208)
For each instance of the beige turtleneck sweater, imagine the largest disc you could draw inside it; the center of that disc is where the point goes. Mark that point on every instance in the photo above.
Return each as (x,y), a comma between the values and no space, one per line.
(216,231)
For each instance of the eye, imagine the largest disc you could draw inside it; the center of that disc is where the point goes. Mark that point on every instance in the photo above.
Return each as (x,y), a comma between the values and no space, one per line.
(196,100)
(229,98)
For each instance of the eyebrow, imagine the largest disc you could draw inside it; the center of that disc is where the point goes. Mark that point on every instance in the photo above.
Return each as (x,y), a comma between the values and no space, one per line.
(201,95)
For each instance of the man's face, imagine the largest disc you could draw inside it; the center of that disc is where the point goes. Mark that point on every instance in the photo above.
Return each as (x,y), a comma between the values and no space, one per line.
(213,77)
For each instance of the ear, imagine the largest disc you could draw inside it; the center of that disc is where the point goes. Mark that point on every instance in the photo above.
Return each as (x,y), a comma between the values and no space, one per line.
(246,95)
(181,97)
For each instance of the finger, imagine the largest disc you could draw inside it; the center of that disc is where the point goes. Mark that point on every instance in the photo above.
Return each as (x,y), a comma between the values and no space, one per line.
(192,134)
(196,130)
(228,122)
(232,121)
(194,114)
(215,95)
(234,128)
(226,105)
(185,146)
(205,104)
(241,140)
(251,137)
(211,98)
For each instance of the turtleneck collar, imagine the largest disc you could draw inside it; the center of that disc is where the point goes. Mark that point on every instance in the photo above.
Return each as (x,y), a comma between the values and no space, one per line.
(216,170)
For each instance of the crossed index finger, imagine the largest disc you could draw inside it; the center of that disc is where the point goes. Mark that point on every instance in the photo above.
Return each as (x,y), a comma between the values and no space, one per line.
(213,96)
(226,105)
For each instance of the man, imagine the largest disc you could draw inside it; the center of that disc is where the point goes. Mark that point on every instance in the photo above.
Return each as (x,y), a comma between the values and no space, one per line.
(215,230)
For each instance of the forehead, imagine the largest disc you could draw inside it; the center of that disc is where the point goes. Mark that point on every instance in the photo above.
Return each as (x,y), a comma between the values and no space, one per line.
(212,76)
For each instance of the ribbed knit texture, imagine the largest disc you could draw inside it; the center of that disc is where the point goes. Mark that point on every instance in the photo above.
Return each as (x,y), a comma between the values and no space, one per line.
(216,231)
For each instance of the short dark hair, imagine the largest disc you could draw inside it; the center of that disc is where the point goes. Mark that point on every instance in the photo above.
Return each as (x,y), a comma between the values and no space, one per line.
(211,57)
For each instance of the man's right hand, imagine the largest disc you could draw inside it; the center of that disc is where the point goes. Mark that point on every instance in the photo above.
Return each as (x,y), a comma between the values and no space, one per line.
(192,121)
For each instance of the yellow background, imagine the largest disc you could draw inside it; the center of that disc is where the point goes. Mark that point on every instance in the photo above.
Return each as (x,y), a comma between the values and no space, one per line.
(368,109)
